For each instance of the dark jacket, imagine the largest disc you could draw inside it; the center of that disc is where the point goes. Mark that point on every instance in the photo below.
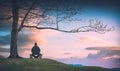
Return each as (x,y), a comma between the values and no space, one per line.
(35,50)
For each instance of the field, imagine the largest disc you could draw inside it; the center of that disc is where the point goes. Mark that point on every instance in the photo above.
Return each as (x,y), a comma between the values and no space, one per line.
(41,65)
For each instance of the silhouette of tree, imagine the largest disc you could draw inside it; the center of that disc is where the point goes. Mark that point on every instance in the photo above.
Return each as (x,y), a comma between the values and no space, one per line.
(22,12)
(15,12)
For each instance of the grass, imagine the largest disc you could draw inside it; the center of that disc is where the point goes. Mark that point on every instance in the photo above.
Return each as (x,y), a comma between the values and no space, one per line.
(41,65)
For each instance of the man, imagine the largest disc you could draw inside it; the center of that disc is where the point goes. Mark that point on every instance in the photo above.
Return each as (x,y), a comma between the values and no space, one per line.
(36,51)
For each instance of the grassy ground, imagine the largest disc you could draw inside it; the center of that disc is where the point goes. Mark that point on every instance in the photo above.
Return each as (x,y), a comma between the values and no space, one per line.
(41,65)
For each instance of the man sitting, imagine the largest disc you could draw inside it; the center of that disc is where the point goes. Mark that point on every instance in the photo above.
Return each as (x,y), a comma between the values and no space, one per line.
(35,52)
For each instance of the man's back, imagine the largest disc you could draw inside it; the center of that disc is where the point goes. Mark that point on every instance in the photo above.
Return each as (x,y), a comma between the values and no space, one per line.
(35,50)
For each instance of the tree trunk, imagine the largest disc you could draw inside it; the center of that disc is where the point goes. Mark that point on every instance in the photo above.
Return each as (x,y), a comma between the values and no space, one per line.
(14,32)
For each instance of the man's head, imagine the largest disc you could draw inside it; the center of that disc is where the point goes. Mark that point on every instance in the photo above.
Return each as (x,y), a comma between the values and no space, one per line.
(35,44)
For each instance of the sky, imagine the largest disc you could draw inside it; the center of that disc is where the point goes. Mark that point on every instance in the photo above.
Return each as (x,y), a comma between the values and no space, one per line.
(86,48)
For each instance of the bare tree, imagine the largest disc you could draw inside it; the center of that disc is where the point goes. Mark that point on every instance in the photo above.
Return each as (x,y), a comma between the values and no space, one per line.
(15,12)
(23,12)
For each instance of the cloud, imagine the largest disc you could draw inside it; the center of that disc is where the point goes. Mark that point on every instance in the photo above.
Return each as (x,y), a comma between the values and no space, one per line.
(109,63)
(105,52)
(97,40)
(92,40)
(22,39)
(41,37)
(4,25)
(66,53)
(85,40)
(5,40)
(4,49)
(108,55)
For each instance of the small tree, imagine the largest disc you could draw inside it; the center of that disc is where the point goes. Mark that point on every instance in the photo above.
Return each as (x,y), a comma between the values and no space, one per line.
(22,12)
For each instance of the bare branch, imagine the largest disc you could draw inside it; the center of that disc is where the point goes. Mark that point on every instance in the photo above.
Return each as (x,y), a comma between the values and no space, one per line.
(41,28)
(69,14)
(26,15)
(96,28)
(37,14)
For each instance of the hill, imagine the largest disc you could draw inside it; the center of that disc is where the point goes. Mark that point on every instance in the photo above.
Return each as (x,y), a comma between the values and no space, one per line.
(79,65)
(116,69)
(1,57)
(41,65)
